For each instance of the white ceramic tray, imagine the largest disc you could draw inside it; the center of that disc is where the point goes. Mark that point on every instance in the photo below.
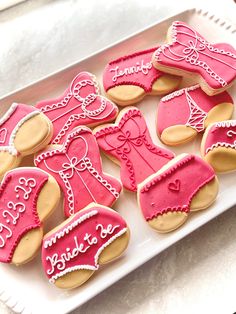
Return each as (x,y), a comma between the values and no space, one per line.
(26,289)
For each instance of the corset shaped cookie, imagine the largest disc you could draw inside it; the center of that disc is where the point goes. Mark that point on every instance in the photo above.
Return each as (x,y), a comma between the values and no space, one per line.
(129,141)
(189,51)
(19,192)
(76,166)
(80,104)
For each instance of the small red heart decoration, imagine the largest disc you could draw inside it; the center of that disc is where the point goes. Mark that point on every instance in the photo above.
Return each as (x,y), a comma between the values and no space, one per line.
(174,186)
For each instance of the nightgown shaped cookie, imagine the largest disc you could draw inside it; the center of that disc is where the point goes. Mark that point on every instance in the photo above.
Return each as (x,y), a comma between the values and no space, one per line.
(185,184)
(74,250)
(27,197)
(77,167)
(80,104)
(218,146)
(23,131)
(128,79)
(129,143)
(187,53)
(183,114)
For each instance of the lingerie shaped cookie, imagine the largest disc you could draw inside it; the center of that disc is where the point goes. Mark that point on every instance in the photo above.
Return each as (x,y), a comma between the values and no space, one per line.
(23,131)
(185,184)
(218,145)
(80,104)
(74,250)
(76,165)
(128,141)
(27,197)
(188,53)
(188,111)
(128,79)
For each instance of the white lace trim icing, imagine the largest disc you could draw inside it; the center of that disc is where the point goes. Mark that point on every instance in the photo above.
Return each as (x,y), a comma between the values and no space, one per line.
(10,147)
(179,92)
(191,52)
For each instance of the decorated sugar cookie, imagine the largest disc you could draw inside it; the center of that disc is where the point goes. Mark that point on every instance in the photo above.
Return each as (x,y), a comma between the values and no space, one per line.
(27,197)
(185,113)
(80,104)
(186,183)
(76,165)
(74,250)
(128,141)
(128,79)
(218,145)
(23,131)
(188,53)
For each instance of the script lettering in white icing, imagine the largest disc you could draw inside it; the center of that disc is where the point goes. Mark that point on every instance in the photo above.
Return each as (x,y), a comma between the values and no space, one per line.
(25,186)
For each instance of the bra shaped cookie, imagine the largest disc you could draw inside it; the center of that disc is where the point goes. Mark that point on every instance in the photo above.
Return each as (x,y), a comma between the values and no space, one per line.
(188,53)
(188,111)
(128,79)
(80,104)
(27,197)
(218,145)
(186,183)
(23,131)
(76,165)
(129,142)
(73,251)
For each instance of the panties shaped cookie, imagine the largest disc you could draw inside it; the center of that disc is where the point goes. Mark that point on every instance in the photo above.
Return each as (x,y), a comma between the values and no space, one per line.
(188,53)
(186,183)
(23,131)
(128,79)
(183,114)
(27,197)
(128,141)
(80,104)
(74,250)
(218,146)
(76,165)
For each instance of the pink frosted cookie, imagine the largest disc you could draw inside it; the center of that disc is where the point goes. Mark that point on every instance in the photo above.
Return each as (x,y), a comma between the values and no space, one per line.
(80,104)
(188,111)
(76,165)
(185,184)
(188,53)
(128,79)
(27,197)
(23,131)
(74,250)
(128,141)
(218,145)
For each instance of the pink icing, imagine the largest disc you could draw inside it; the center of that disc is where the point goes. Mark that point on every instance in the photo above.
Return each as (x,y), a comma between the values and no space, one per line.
(78,244)
(135,69)
(18,197)
(188,106)
(174,189)
(129,141)
(76,165)
(80,104)
(10,123)
(189,51)
(221,134)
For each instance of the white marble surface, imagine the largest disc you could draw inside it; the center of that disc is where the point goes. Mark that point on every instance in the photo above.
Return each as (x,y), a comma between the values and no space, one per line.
(198,274)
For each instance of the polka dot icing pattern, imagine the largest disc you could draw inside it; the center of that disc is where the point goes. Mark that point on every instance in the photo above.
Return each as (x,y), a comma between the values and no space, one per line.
(79,243)
(129,141)
(189,51)
(76,165)
(173,189)
(18,196)
(80,104)
(135,69)
(188,106)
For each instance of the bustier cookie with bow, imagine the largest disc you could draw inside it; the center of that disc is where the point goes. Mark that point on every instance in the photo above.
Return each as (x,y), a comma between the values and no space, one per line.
(189,51)
(80,104)
(129,141)
(76,165)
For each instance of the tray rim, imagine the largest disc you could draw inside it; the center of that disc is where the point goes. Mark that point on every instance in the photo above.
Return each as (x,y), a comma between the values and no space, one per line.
(10,300)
